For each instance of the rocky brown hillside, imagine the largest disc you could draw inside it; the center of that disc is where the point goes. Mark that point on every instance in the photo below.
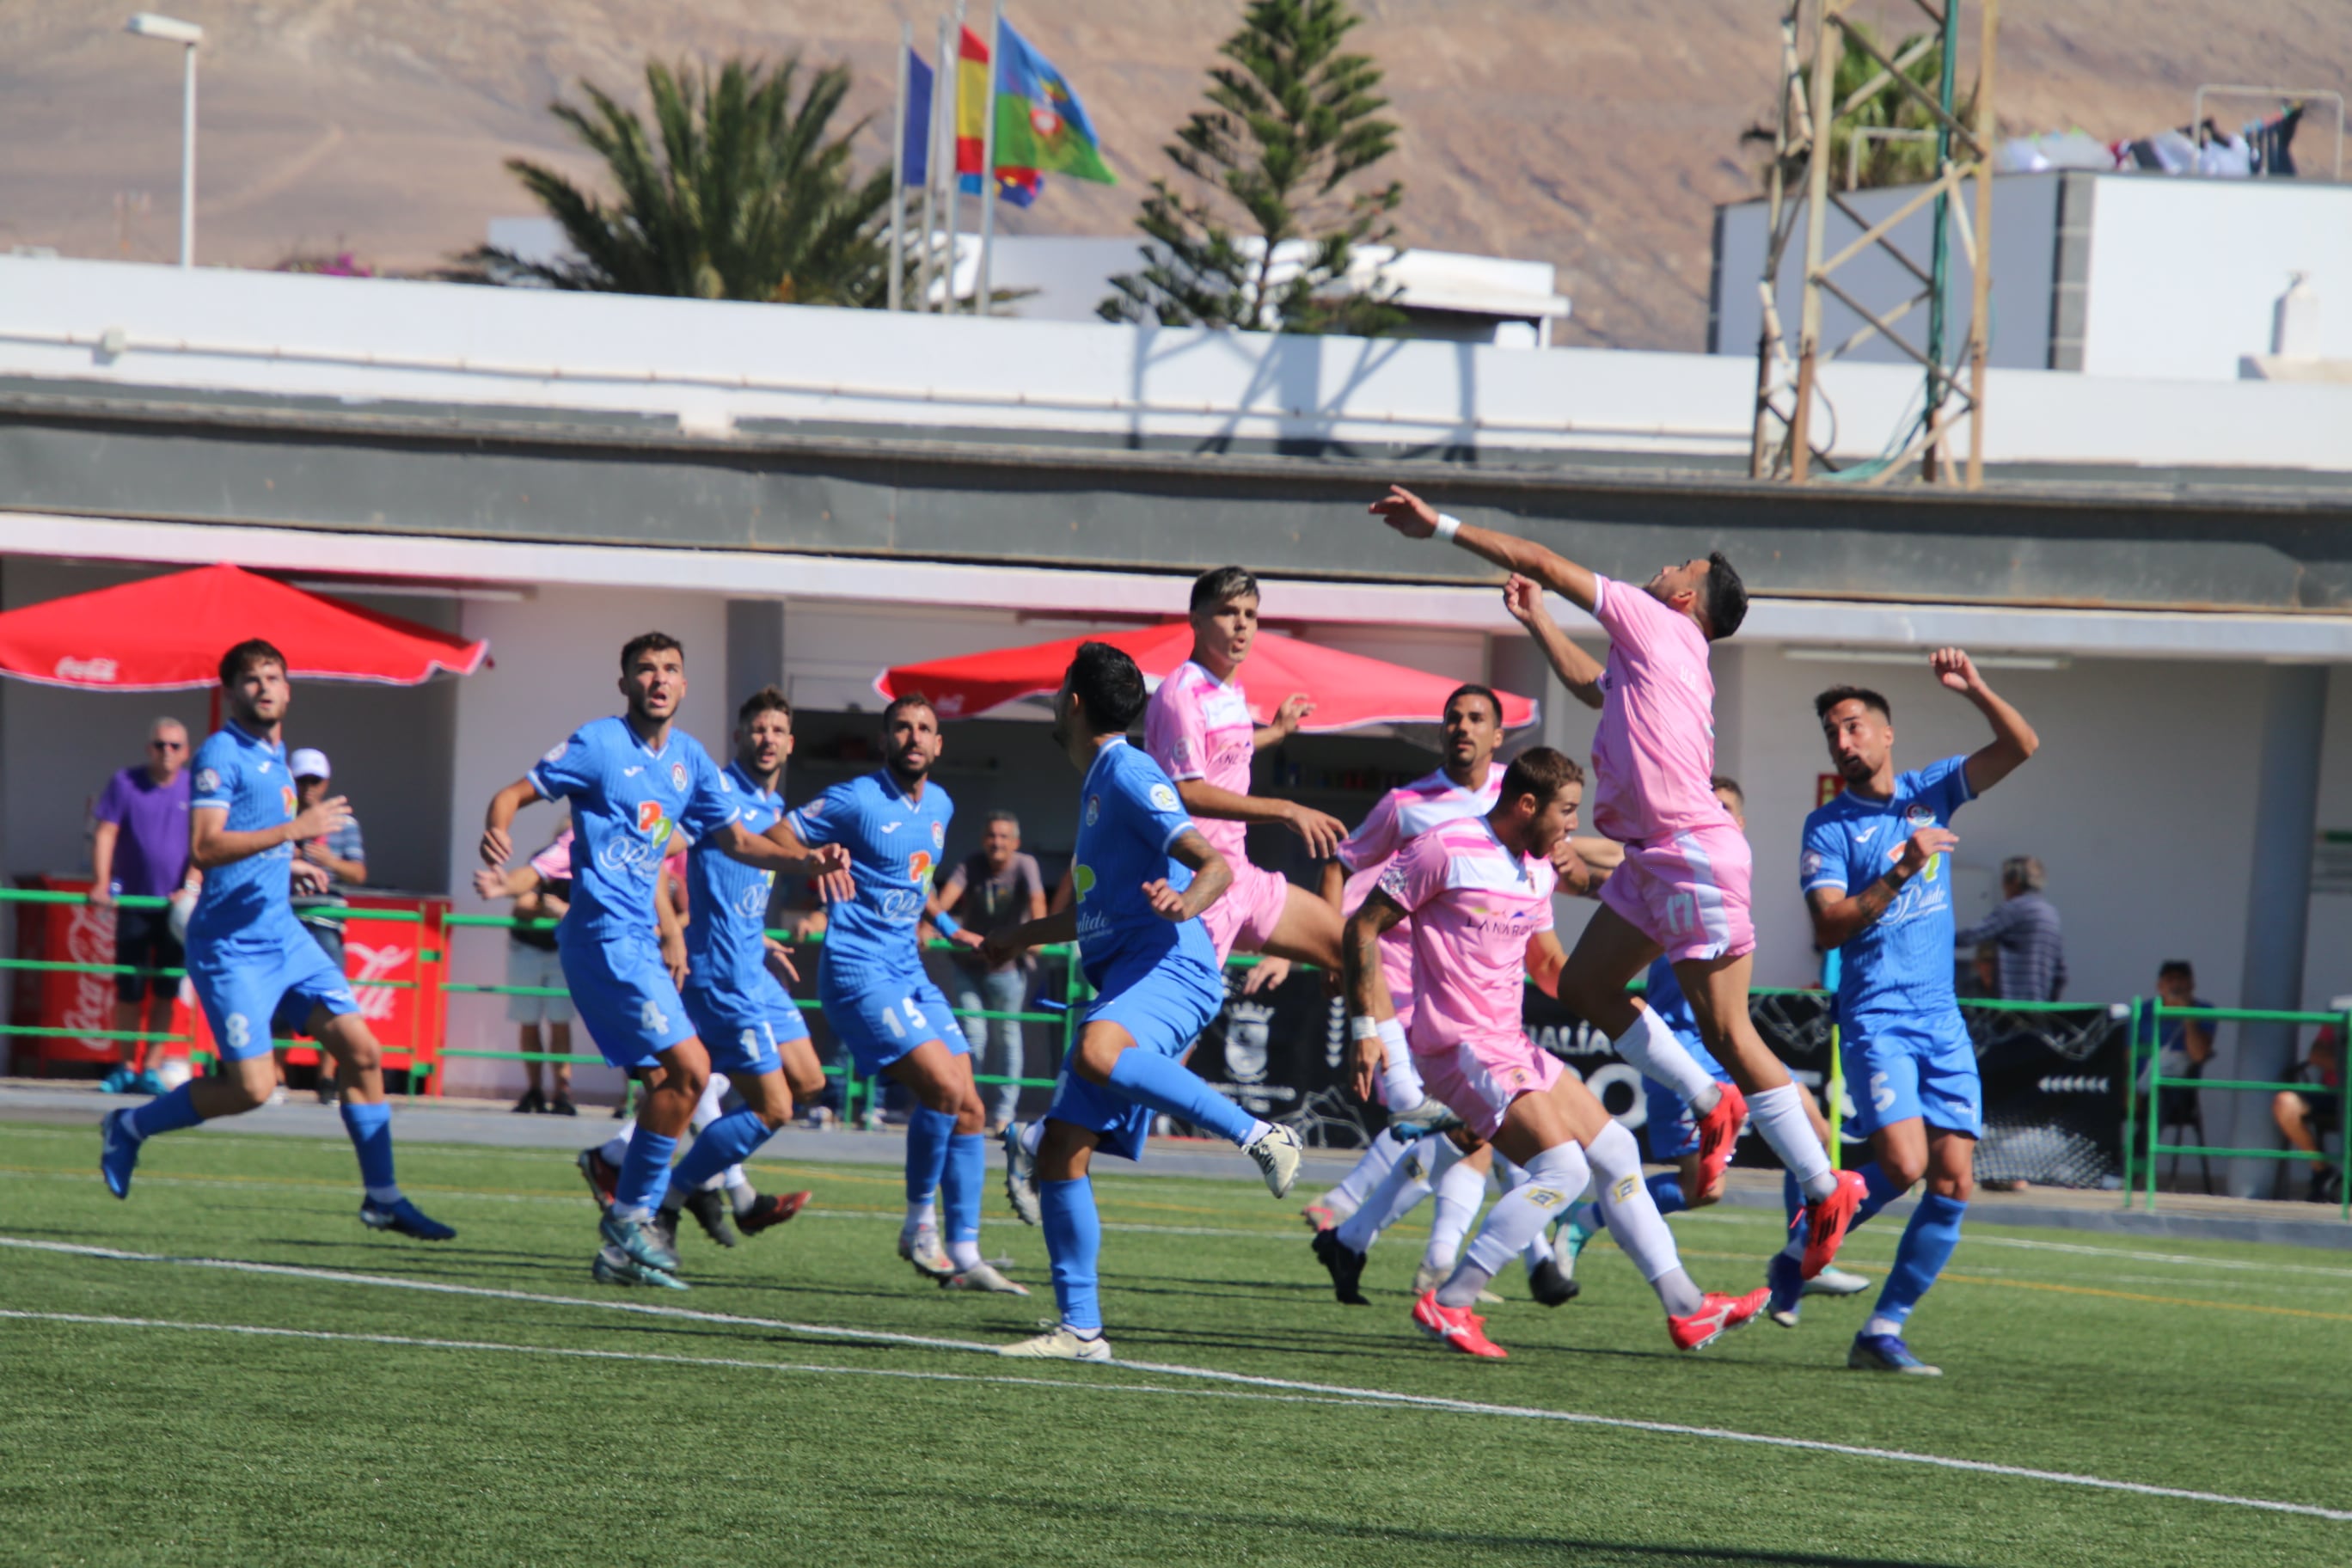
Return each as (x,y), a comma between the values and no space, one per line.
(1597,136)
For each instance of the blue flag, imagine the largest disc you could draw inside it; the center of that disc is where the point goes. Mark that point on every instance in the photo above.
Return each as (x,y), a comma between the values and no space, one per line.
(918,150)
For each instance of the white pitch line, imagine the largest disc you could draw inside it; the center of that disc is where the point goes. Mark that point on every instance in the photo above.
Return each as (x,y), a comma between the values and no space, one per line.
(1339,1392)
(2085,1251)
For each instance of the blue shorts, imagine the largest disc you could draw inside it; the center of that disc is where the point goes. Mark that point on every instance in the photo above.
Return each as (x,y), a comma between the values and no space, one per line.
(1164,1005)
(742,1032)
(1671,1128)
(623,993)
(248,983)
(1898,1067)
(882,1016)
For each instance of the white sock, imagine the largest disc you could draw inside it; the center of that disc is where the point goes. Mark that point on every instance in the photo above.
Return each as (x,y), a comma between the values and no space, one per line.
(1883,1325)
(385,1198)
(742,1196)
(616,1147)
(1458,1192)
(1257,1130)
(1031,1134)
(708,1109)
(1386,1150)
(1779,1114)
(1634,1219)
(919,1215)
(1554,1177)
(1437,1154)
(733,1176)
(1655,1054)
(965,1254)
(1388,1203)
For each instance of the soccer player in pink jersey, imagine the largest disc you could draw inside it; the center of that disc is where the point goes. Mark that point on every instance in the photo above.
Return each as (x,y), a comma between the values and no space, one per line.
(1683,887)
(1478,894)
(1199,728)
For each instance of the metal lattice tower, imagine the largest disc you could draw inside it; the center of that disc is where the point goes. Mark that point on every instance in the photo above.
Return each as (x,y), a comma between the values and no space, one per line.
(1804,140)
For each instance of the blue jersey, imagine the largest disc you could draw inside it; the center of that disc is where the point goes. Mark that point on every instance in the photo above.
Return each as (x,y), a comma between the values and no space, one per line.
(626,800)
(894,843)
(244,775)
(726,901)
(1902,961)
(1129,817)
(1665,994)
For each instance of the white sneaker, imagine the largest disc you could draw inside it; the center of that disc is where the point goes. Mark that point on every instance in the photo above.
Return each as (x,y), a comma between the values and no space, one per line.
(1277,1153)
(1060,1343)
(1020,1177)
(277,1095)
(1836,1282)
(921,1247)
(983,1277)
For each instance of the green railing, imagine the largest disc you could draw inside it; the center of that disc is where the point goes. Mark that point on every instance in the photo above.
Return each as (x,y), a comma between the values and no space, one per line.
(2147,1035)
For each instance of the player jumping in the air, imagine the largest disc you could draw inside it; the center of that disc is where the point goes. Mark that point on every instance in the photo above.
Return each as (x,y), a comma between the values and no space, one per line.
(253,965)
(633,780)
(1683,887)
(1877,873)
(1144,875)
(1478,894)
(870,979)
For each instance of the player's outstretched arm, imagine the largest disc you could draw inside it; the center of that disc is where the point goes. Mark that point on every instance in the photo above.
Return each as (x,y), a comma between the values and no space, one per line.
(779,850)
(498,822)
(210,841)
(1212,875)
(1367,986)
(1296,710)
(1321,829)
(1416,518)
(1578,670)
(2013,739)
(1839,915)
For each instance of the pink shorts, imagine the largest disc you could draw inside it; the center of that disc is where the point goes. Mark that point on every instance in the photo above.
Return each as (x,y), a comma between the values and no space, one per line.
(1688,892)
(1480,1076)
(1249,910)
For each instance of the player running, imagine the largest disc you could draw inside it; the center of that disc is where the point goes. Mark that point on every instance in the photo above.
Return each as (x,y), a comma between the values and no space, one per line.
(1877,873)
(1683,887)
(633,780)
(1144,875)
(1478,894)
(254,966)
(870,980)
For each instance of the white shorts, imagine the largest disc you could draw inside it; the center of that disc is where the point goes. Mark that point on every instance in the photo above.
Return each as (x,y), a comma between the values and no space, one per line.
(536,966)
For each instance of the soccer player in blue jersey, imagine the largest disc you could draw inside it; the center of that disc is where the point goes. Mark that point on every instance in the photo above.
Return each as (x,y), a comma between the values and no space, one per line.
(253,965)
(1144,873)
(633,779)
(893,824)
(1878,874)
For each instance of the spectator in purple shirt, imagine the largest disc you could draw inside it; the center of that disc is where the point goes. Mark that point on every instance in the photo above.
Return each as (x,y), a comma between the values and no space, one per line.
(141,850)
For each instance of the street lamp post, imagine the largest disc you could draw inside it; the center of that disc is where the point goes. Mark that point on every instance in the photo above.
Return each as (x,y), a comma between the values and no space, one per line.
(148,24)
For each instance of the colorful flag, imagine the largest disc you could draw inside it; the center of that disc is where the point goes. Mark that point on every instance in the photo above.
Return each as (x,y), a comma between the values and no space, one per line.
(1041,126)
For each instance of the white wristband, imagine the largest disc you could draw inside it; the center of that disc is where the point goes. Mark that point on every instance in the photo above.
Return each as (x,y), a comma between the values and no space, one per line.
(1448,526)
(1361,1027)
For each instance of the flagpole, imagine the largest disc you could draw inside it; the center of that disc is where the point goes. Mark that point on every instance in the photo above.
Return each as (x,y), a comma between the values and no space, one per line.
(927,268)
(980,297)
(898,173)
(955,180)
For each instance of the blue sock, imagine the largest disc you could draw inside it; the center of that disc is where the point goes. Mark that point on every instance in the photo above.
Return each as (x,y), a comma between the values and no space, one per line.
(1074,1241)
(1168,1086)
(1926,1245)
(371,1129)
(733,1136)
(928,1132)
(1666,1191)
(960,1185)
(644,1171)
(167,1113)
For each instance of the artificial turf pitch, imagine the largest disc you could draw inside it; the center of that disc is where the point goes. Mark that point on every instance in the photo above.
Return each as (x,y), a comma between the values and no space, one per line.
(2217,1368)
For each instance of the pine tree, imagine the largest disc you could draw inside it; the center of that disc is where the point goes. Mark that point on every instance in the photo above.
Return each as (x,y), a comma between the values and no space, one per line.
(1272,158)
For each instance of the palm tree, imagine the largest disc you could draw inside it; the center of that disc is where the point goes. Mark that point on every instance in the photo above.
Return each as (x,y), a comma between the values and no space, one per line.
(1882,160)
(748,197)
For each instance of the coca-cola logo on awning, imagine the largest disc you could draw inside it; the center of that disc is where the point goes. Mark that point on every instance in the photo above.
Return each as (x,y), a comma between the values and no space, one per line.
(92,669)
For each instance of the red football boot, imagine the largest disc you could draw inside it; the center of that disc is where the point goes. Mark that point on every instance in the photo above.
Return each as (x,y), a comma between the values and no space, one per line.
(1828,1220)
(770,1209)
(1719,1133)
(1717,1317)
(1457,1326)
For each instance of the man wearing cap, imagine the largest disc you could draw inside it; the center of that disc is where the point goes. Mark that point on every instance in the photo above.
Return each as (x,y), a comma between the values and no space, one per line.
(340,862)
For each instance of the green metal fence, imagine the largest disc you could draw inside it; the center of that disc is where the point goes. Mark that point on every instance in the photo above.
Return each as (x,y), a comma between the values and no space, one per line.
(2147,1035)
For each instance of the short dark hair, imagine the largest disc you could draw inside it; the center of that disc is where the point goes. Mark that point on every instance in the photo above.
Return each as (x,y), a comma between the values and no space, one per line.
(1730,787)
(903,701)
(1862,694)
(1541,772)
(251,651)
(1108,687)
(649,642)
(767,699)
(1216,588)
(1725,597)
(2172,966)
(1472,689)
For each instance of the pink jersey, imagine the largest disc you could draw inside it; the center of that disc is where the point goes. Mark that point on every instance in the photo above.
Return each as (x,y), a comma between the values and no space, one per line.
(553,863)
(1474,905)
(1198,727)
(1399,815)
(1654,755)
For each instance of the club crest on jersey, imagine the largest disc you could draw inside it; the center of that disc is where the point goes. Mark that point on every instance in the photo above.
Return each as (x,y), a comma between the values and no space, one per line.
(1921,815)
(1094,809)
(677,775)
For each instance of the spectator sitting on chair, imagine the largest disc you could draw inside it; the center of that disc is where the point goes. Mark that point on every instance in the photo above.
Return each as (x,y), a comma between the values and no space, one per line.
(541,891)
(2025,928)
(328,867)
(141,850)
(2305,1116)
(2183,1044)
(992,891)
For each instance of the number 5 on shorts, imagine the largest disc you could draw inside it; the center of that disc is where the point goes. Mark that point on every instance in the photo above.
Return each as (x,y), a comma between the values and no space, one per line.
(914,1017)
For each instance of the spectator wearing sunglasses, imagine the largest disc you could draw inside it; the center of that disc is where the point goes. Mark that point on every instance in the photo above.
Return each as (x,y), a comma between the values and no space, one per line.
(141,850)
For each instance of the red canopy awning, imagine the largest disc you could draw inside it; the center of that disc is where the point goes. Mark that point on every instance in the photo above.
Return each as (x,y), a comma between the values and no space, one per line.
(1349,691)
(167,634)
